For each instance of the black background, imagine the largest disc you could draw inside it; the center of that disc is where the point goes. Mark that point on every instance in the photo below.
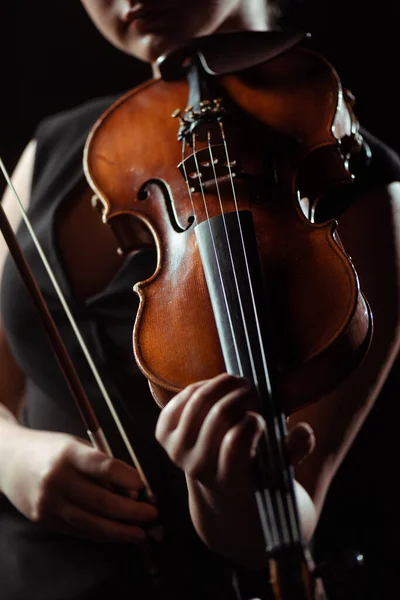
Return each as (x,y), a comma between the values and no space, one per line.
(53,59)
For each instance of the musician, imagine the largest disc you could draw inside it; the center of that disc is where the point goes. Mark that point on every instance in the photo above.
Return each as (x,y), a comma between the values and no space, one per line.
(65,532)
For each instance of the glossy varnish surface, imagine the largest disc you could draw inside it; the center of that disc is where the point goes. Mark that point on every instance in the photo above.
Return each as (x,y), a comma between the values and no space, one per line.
(283,113)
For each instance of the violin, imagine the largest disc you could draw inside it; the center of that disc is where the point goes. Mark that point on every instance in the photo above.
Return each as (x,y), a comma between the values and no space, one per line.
(218,161)
(246,279)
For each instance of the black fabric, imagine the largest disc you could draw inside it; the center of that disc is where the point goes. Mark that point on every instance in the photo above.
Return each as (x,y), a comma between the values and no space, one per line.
(35,564)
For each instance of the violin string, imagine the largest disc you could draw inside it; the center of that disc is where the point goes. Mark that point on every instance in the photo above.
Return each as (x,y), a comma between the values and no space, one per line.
(279,422)
(246,332)
(216,253)
(189,187)
(265,510)
(77,332)
(268,507)
(287,516)
(273,531)
(287,501)
(265,503)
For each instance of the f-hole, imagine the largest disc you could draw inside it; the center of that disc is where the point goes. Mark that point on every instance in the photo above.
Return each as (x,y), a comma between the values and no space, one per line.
(144,193)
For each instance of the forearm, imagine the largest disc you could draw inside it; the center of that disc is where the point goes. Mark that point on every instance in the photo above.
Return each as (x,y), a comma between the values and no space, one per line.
(230,525)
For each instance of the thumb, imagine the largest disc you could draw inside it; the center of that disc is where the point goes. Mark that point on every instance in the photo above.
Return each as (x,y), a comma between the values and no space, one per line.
(300,443)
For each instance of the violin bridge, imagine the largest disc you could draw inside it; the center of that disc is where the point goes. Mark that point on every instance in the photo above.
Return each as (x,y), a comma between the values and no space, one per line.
(208,166)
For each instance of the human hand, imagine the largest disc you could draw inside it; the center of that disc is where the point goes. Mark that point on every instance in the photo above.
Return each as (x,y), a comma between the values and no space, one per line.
(66,485)
(211,429)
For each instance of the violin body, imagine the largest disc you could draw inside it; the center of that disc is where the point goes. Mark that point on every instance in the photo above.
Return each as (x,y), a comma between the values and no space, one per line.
(287,124)
(245,281)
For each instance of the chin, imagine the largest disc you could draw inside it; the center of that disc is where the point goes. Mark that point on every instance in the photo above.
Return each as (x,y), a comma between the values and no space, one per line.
(152,47)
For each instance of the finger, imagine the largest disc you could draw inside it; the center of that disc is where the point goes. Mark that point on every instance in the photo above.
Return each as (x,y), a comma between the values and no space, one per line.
(300,442)
(104,502)
(238,448)
(82,523)
(187,404)
(171,413)
(201,402)
(224,415)
(107,470)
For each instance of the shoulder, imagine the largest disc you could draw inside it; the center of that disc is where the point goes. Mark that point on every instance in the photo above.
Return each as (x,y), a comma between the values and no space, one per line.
(370,228)
(370,232)
(385,161)
(22,182)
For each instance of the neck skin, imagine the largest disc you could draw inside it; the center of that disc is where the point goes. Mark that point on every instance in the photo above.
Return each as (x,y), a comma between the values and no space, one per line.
(251,15)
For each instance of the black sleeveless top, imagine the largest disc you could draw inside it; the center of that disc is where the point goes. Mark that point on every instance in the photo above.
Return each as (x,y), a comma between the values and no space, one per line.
(36,564)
